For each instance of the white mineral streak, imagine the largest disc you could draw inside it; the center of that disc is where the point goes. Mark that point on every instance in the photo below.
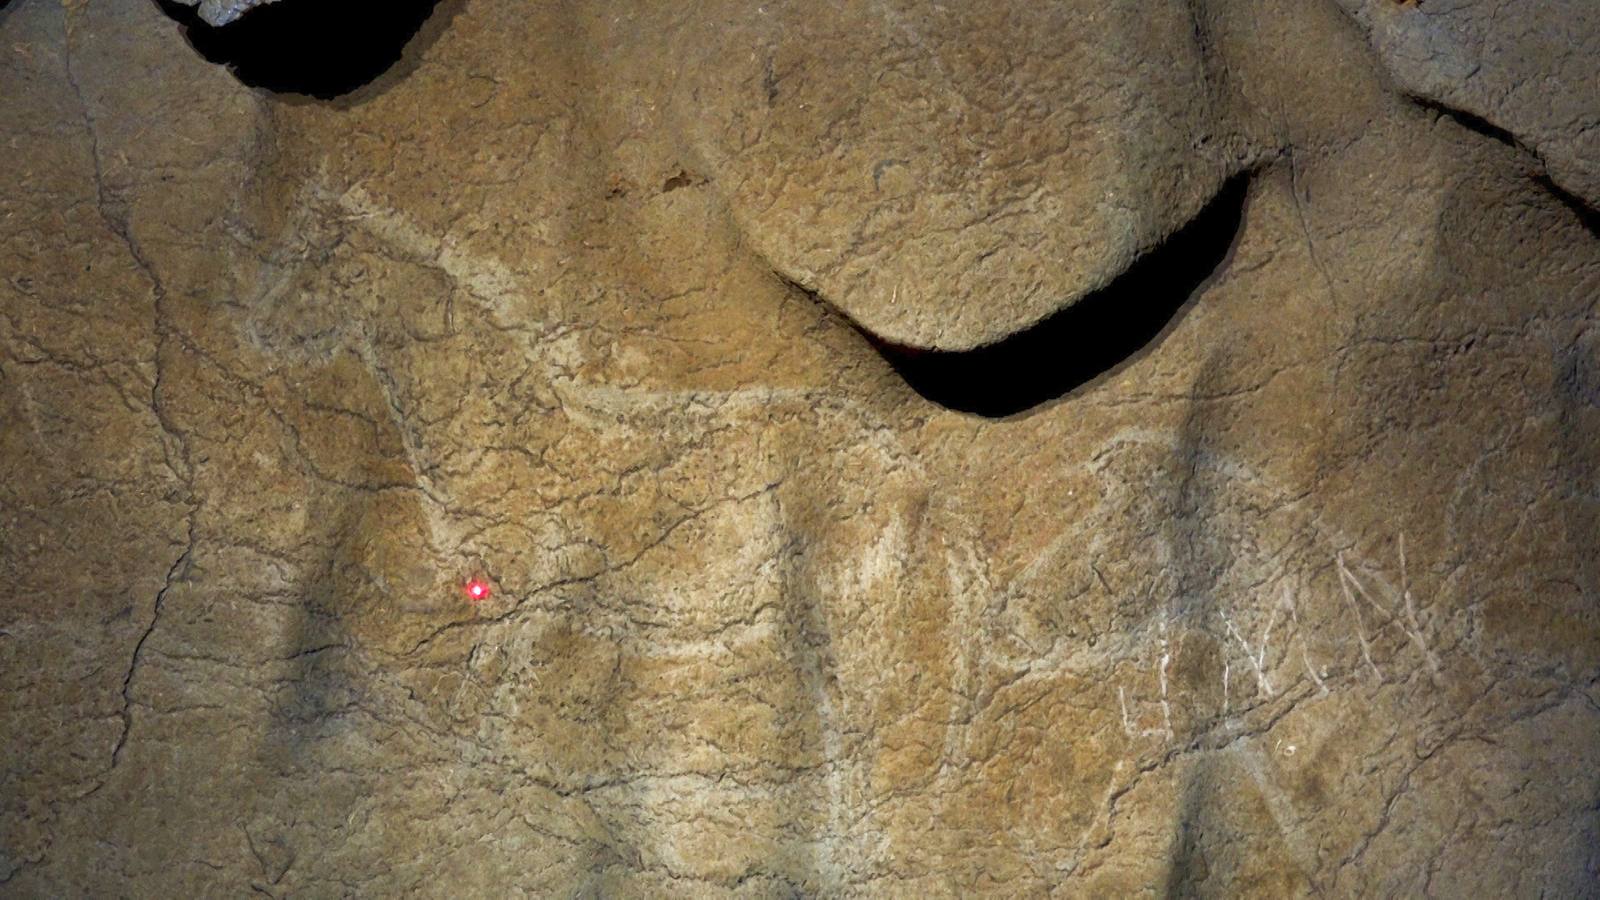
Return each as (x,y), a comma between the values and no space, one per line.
(221,12)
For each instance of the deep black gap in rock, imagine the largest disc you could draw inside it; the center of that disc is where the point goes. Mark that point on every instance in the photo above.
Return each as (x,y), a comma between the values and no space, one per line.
(1473,123)
(1090,337)
(313,47)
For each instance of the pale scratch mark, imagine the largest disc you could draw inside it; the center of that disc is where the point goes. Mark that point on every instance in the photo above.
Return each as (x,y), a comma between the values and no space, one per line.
(1165,729)
(611,400)
(468,681)
(1256,656)
(966,577)
(1404,604)
(1266,640)
(1355,608)
(436,516)
(1415,631)
(835,785)
(1280,804)
(489,281)
(1166,661)
(1305,653)
(282,266)
(1105,811)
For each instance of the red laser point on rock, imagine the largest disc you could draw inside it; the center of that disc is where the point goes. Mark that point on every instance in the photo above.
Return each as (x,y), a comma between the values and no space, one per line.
(476,590)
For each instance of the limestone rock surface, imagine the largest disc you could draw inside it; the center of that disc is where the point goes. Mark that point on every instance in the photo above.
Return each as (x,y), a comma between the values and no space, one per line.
(596,304)
(1531,69)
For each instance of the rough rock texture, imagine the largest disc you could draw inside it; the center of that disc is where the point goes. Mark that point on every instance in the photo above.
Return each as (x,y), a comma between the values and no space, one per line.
(1531,69)
(945,175)
(1303,598)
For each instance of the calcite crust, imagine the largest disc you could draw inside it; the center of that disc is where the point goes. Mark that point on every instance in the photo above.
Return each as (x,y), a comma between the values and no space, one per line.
(221,12)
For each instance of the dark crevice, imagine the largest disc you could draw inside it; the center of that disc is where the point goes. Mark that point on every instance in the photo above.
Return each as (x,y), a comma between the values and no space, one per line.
(311,47)
(1473,123)
(1093,336)
(681,179)
(1587,215)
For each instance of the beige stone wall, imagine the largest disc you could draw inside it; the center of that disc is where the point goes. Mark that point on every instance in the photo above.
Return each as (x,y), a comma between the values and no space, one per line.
(1300,599)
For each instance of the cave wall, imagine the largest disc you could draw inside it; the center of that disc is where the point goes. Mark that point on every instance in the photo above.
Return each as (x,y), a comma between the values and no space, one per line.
(612,309)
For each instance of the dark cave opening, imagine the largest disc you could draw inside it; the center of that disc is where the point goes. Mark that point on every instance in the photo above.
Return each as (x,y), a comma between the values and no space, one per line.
(1087,339)
(319,49)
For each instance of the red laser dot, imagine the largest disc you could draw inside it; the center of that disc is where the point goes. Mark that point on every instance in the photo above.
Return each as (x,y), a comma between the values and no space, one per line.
(477,589)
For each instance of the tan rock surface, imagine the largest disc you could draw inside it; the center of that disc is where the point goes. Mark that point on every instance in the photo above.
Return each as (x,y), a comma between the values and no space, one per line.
(1301,599)
(1530,71)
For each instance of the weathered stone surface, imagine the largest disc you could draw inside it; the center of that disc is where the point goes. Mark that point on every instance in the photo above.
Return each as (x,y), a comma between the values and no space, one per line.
(944,175)
(1302,599)
(1530,68)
